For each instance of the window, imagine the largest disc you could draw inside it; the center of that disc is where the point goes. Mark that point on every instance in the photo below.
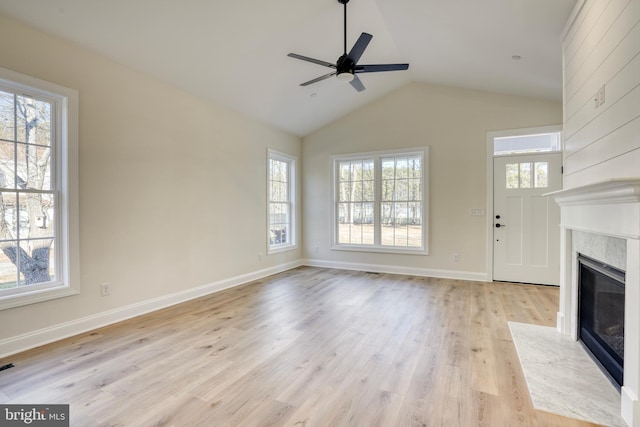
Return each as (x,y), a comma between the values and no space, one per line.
(380,202)
(527,175)
(526,144)
(38,231)
(281,194)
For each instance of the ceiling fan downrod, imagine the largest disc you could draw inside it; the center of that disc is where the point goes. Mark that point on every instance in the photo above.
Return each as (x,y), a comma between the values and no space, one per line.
(344,2)
(345,67)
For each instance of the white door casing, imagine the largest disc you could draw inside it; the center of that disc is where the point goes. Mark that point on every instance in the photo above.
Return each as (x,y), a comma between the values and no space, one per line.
(526,224)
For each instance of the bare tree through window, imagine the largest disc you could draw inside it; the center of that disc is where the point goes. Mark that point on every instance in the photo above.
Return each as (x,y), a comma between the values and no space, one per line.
(27,196)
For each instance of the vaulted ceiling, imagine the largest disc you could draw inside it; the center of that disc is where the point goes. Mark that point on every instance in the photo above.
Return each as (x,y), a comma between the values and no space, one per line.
(234,52)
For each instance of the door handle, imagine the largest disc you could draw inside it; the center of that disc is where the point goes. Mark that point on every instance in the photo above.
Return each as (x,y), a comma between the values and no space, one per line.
(498,225)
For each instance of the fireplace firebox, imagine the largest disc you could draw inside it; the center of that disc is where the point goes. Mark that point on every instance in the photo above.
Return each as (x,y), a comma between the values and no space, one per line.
(601,314)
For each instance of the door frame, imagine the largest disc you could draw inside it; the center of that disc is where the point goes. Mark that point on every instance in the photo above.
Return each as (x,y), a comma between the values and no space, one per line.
(491,135)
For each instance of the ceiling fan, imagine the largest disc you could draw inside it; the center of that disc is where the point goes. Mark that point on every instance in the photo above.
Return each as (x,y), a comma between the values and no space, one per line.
(347,68)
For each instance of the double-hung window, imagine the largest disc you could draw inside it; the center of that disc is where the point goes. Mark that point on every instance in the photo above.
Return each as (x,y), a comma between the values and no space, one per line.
(380,201)
(37,164)
(281,194)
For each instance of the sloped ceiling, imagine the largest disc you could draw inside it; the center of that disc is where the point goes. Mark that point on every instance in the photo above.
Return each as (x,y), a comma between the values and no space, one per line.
(234,52)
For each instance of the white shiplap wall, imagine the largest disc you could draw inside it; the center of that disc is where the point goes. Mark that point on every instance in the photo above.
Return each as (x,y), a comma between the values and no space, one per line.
(601,47)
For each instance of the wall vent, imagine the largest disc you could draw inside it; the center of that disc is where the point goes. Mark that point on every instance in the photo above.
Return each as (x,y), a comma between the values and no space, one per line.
(7,366)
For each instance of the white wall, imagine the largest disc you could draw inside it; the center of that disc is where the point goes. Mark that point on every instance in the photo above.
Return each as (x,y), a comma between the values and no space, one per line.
(453,123)
(602,48)
(601,53)
(172,188)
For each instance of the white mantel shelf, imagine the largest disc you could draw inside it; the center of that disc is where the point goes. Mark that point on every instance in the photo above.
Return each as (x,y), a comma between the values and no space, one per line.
(620,190)
(610,208)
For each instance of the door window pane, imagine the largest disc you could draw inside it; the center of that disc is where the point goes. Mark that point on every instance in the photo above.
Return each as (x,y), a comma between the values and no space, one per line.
(525,175)
(541,174)
(513,175)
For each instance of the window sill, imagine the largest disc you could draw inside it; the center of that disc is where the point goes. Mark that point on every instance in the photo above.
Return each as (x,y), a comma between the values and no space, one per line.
(280,249)
(18,300)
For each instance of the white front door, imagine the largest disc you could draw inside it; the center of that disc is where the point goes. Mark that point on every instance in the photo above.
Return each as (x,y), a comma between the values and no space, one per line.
(526,224)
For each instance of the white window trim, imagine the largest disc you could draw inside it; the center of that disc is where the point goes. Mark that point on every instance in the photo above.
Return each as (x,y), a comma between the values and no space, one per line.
(424,250)
(66,169)
(293,173)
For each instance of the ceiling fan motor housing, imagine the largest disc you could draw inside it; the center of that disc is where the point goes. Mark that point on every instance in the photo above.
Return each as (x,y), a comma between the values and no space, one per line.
(345,65)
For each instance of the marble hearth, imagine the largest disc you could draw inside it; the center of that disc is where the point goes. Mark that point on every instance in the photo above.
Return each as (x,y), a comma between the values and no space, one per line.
(602,221)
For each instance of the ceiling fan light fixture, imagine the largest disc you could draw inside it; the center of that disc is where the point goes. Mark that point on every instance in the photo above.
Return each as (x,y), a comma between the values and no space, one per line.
(345,77)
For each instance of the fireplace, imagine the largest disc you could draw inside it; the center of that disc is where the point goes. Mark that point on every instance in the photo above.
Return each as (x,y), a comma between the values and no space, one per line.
(597,218)
(601,314)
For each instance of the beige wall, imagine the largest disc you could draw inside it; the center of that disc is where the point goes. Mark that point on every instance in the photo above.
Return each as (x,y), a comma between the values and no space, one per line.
(454,124)
(172,188)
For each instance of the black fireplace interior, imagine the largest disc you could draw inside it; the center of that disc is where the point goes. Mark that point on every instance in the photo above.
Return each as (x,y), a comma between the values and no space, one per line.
(601,313)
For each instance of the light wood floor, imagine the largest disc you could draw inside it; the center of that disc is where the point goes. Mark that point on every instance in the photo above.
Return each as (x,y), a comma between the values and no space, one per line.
(309,347)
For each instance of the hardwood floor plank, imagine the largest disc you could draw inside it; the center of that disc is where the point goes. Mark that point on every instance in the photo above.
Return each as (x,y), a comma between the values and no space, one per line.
(482,361)
(315,410)
(307,347)
(269,413)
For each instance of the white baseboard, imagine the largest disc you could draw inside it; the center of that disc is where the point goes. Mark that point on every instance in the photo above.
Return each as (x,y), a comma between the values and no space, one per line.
(560,322)
(629,406)
(394,269)
(60,331)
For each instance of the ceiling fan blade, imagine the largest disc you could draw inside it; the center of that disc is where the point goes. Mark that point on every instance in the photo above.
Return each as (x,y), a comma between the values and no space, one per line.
(318,79)
(315,61)
(357,84)
(358,48)
(374,68)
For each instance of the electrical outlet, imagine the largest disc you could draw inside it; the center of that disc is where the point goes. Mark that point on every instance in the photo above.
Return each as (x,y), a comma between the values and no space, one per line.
(259,256)
(105,289)
(456,257)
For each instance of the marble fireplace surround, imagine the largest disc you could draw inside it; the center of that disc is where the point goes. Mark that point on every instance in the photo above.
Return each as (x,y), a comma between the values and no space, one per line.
(602,220)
